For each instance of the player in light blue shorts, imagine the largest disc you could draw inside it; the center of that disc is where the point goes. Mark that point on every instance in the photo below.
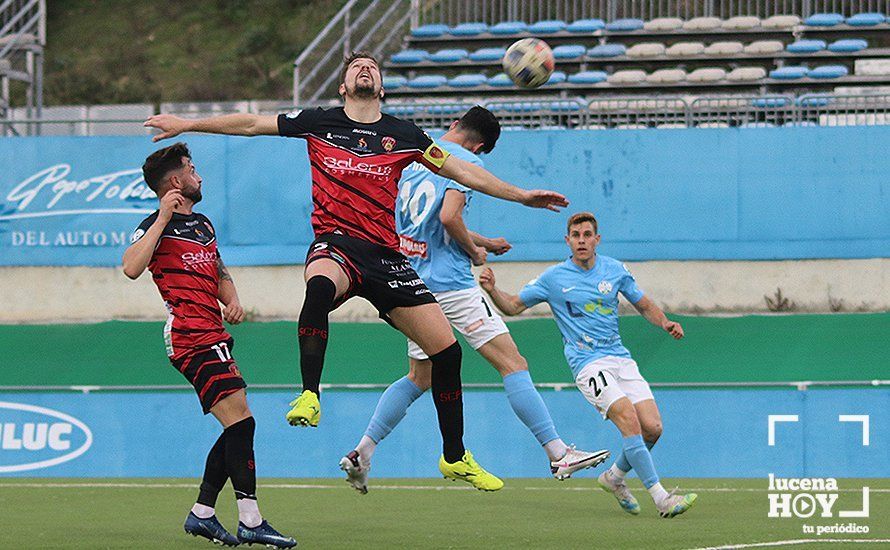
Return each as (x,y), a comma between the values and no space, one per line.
(441,249)
(583,294)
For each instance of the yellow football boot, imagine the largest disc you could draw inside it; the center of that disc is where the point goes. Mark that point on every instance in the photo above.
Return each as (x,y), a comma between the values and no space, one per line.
(467,469)
(306,410)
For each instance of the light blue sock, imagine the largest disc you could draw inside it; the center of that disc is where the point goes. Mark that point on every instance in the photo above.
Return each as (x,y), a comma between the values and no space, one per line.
(638,456)
(529,407)
(392,407)
(622,462)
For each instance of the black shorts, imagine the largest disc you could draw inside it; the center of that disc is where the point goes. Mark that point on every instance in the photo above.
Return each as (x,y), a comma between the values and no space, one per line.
(213,373)
(382,276)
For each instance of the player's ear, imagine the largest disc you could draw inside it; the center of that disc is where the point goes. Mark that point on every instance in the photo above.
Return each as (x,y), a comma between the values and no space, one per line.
(342,89)
(382,93)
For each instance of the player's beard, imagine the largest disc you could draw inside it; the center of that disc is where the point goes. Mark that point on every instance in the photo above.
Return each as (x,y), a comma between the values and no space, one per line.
(193,195)
(361,91)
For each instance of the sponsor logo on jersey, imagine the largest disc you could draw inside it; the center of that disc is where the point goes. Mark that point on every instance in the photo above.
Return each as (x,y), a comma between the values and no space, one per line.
(33,438)
(332,137)
(294,114)
(388,143)
(366,132)
(362,144)
(604,287)
(347,166)
(137,235)
(411,248)
(209,227)
(191,260)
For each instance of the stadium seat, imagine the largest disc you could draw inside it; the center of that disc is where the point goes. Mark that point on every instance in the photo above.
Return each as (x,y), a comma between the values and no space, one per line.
(646,49)
(847,45)
(708,74)
(607,50)
(506,28)
(713,125)
(824,20)
(670,126)
(800,124)
(663,24)
(702,24)
(741,23)
(427,81)
(666,76)
(780,22)
(488,54)
(631,126)
(468,29)
(624,25)
(725,48)
(586,25)
(746,74)
(770,102)
(806,46)
(468,81)
(429,31)
(399,110)
(410,56)
(829,71)
(789,73)
(394,82)
(866,19)
(764,47)
(445,109)
(547,27)
(685,49)
(757,125)
(569,51)
(627,77)
(587,77)
(500,81)
(448,56)
(813,101)
(558,77)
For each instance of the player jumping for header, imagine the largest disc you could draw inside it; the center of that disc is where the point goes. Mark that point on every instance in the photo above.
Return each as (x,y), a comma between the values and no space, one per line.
(357,156)
(441,250)
(178,246)
(583,294)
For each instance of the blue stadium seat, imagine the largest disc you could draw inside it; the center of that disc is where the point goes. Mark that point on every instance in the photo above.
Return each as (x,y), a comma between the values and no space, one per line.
(800,124)
(769,102)
(624,25)
(410,56)
(847,45)
(568,106)
(824,20)
(448,56)
(866,19)
(806,46)
(547,27)
(468,81)
(587,77)
(558,77)
(446,109)
(427,81)
(829,71)
(607,50)
(500,81)
(488,54)
(569,51)
(429,31)
(399,110)
(813,100)
(757,125)
(508,27)
(468,29)
(789,73)
(586,25)
(394,82)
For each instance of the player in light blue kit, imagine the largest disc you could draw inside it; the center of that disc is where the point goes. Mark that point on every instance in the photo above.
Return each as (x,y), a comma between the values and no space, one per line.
(441,249)
(583,294)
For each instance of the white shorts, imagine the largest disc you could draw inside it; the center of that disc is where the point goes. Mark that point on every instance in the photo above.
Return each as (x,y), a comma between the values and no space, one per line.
(608,379)
(470,312)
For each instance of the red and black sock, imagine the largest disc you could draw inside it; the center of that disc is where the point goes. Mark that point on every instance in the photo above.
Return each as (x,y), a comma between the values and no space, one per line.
(313,329)
(446,389)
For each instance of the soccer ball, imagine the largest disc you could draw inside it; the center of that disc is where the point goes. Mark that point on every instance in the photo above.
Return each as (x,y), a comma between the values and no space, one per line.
(529,62)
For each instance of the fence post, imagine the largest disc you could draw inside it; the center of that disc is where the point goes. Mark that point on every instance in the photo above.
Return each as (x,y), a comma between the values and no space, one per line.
(415,14)
(296,83)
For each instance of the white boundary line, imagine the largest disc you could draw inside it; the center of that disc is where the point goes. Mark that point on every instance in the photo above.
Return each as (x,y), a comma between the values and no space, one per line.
(792,542)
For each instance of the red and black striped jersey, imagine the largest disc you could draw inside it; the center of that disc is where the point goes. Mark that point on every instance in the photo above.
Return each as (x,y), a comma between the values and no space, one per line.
(356,169)
(184,266)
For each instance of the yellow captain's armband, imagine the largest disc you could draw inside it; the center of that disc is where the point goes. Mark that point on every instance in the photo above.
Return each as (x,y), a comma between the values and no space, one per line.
(435,156)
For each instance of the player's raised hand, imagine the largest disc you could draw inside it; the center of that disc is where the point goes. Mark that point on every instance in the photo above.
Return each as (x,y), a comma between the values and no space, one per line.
(233,313)
(171,200)
(480,254)
(541,198)
(498,246)
(674,329)
(169,125)
(486,279)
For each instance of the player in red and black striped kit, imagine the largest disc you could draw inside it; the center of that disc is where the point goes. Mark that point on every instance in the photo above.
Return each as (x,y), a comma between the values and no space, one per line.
(357,155)
(178,246)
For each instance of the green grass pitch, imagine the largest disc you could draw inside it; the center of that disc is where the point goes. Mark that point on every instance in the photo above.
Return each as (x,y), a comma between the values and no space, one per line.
(427,513)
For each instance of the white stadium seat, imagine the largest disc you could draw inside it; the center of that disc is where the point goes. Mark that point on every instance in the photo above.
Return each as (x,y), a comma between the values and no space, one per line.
(781,22)
(741,23)
(663,24)
(666,76)
(685,49)
(702,24)
(746,74)
(708,74)
(646,49)
(764,46)
(627,77)
(713,125)
(724,48)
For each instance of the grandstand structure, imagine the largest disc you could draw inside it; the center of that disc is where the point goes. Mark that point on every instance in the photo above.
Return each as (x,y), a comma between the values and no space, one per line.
(22,40)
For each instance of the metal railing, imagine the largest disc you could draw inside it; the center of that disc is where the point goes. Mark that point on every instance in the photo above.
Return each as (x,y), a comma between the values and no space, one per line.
(22,37)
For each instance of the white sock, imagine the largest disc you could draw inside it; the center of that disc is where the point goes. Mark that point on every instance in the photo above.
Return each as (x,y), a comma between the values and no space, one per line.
(203,511)
(249,512)
(556,449)
(617,472)
(366,448)
(658,493)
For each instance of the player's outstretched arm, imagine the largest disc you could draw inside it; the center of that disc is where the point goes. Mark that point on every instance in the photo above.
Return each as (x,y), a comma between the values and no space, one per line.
(656,316)
(453,221)
(239,124)
(138,255)
(228,295)
(480,179)
(510,304)
(496,246)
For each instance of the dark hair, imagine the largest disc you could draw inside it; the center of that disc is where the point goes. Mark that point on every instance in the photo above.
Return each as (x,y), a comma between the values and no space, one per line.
(482,126)
(361,54)
(581,217)
(162,162)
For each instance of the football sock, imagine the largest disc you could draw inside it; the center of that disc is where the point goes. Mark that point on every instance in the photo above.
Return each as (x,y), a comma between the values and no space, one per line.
(202,511)
(249,512)
(313,329)
(616,471)
(556,449)
(215,476)
(622,466)
(391,408)
(448,398)
(639,458)
(242,471)
(365,450)
(658,493)
(530,408)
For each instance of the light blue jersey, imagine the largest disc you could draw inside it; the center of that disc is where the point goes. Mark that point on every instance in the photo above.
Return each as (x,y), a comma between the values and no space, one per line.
(585,305)
(441,263)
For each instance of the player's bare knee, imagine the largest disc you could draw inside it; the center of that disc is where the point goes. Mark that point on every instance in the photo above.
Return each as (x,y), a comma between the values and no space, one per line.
(513,364)
(623,415)
(421,374)
(652,431)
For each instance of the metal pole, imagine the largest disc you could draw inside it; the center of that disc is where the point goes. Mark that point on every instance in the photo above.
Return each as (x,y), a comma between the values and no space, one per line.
(296,83)
(415,14)
(347,33)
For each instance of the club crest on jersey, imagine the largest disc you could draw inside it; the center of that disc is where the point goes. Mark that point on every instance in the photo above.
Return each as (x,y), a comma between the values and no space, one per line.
(388,143)
(604,287)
